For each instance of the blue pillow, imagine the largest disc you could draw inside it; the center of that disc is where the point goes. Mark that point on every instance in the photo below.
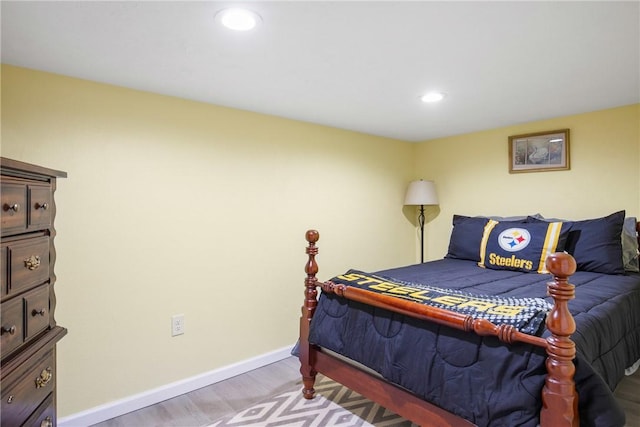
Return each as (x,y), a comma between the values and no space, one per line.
(596,244)
(467,234)
(465,237)
(521,246)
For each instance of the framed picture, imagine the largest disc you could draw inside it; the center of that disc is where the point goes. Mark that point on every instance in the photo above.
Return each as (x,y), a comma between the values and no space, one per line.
(540,151)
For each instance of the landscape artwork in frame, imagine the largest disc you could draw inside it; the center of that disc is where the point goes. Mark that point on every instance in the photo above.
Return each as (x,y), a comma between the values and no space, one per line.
(540,151)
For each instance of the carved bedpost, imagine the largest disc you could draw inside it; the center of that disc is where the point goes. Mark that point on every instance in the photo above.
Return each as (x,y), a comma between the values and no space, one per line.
(308,308)
(559,398)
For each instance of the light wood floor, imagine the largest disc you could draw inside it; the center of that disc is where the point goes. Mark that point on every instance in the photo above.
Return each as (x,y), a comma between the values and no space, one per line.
(202,407)
(628,394)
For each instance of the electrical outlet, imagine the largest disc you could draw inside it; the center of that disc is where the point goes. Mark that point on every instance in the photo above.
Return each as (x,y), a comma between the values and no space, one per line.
(177,324)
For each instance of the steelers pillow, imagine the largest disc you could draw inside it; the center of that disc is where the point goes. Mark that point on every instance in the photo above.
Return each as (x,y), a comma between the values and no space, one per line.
(521,247)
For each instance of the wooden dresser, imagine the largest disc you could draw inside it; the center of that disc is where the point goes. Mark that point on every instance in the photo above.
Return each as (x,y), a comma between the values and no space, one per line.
(28,328)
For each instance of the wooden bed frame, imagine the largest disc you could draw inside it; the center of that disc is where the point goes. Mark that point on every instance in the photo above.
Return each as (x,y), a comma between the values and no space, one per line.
(559,397)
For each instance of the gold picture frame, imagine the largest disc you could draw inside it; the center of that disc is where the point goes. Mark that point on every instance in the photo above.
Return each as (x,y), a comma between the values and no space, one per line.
(539,151)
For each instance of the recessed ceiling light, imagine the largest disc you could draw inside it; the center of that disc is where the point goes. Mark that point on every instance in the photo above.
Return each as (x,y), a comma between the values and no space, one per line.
(238,19)
(432,97)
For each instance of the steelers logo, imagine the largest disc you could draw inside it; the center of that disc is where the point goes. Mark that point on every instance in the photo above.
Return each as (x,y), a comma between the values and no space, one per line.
(514,239)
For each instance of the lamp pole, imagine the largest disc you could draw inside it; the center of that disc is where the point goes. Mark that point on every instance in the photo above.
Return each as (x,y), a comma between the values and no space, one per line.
(421,222)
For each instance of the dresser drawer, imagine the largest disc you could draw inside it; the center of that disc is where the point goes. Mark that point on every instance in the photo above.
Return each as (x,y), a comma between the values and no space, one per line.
(45,415)
(40,197)
(25,206)
(12,321)
(29,261)
(13,212)
(4,260)
(26,389)
(36,311)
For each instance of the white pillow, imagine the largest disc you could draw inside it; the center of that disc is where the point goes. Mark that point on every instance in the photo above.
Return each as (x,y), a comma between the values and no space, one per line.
(630,245)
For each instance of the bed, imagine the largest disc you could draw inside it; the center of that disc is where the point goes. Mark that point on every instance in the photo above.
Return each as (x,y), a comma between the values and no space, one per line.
(438,364)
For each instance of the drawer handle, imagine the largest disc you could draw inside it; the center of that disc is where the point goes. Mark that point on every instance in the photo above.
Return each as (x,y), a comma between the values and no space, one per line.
(14,207)
(35,312)
(44,378)
(32,262)
(9,330)
(10,399)
(47,422)
(43,206)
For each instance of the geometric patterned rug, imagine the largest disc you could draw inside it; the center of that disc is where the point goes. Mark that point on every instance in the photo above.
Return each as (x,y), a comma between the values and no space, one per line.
(334,405)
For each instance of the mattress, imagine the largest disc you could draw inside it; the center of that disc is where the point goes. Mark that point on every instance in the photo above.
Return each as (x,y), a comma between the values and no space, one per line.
(479,378)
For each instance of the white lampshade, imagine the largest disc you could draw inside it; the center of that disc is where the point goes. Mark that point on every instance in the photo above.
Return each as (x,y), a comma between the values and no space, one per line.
(421,193)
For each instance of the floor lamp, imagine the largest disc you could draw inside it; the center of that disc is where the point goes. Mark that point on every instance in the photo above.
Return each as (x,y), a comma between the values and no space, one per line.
(421,193)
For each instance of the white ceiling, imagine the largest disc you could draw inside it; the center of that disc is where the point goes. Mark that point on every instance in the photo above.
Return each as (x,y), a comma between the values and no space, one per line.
(354,65)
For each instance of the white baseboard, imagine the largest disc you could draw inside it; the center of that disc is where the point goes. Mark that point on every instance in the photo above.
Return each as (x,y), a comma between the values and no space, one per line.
(151,397)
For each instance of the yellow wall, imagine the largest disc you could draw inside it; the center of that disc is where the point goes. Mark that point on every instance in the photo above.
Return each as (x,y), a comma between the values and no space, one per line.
(174,206)
(472,175)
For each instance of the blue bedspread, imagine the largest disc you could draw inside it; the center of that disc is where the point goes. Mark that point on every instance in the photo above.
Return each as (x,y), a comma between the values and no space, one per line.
(479,378)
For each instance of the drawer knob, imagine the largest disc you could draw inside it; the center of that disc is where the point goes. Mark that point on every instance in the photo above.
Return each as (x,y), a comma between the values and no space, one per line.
(35,312)
(11,330)
(32,262)
(14,207)
(44,378)
(10,398)
(47,422)
(43,206)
